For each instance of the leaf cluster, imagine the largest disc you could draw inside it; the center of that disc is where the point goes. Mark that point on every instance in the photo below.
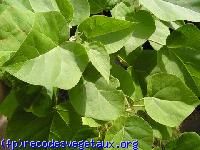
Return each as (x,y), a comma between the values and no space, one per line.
(113,70)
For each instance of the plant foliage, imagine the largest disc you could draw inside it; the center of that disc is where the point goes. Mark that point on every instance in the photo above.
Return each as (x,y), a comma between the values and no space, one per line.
(112,70)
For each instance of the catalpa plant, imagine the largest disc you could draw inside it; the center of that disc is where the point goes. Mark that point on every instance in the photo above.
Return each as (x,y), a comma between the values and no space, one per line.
(108,70)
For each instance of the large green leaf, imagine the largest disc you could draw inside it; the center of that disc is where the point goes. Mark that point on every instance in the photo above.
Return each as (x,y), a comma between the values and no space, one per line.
(172,10)
(181,56)
(41,57)
(99,58)
(61,67)
(25,31)
(111,32)
(131,129)
(97,100)
(169,101)
(184,142)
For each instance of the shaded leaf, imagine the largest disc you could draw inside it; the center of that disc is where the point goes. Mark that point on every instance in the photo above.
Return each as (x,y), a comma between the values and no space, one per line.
(131,129)
(23,125)
(125,78)
(184,142)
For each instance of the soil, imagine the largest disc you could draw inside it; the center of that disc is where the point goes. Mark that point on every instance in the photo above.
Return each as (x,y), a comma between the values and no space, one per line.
(192,123)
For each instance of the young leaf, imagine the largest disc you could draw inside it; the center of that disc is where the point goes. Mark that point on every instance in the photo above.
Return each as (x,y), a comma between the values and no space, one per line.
(130,129)
(169,101)
(171,10)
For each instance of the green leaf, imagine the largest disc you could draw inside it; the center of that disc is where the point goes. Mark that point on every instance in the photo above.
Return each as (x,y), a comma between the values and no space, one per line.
(109,31)
(66,122)
(97,6)
(23,125)
(184,142)
(159,37)
(156,148)
(97,100)
(143,29)
(144,25)
(144,66)
(169,101)
(81,10)
(125,78)
(14,28)
(181,56)
(159,131)
(131,129)
(99,58)
(9,105)
(91,122)
(192,4)
(30,34)
(172,10)
(120,11)
(35,100)
(61,67)
(41,6)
